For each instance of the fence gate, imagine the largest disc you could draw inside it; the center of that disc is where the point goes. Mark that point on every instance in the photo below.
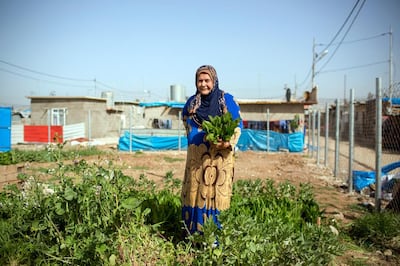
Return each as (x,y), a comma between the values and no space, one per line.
(5,129)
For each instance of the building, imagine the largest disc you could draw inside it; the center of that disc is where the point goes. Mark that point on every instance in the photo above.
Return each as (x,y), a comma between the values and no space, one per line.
(103,117)
(256,113)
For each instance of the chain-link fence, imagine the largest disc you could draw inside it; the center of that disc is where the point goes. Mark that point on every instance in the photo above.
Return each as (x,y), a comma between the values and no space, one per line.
(356,138)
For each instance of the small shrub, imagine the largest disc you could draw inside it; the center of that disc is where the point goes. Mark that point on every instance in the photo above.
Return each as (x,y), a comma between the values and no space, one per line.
(377,229)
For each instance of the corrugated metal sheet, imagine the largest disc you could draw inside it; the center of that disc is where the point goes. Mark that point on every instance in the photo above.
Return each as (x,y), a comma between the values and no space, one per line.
(74,131)
(41,134)
(17,134)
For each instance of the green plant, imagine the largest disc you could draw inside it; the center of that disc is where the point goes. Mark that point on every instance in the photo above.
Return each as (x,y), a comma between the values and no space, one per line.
(377,229)
(6,158)
(220,127)
(79,222)
(52,153)
(295,123)
(268,225)
(108,218)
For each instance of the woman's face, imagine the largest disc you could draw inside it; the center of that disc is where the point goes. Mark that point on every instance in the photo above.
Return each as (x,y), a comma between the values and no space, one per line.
(204,84)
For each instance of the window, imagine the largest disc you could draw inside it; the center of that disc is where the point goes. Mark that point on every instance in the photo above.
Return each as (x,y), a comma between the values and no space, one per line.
(58,116)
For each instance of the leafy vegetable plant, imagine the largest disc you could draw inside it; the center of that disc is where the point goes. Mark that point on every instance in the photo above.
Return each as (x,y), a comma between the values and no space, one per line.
(94,214)
(220,127)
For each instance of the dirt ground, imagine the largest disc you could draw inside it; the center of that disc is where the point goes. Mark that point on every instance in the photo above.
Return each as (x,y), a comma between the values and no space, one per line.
(330,192)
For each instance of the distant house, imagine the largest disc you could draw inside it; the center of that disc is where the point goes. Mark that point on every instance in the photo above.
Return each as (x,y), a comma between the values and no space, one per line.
(102,117)
(21,115)
(256,113)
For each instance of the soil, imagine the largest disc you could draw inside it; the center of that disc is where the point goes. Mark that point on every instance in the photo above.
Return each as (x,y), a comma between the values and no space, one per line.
(330,192)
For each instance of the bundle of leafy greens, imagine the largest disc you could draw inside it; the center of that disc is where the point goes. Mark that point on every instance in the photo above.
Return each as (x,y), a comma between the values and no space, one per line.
(220,128)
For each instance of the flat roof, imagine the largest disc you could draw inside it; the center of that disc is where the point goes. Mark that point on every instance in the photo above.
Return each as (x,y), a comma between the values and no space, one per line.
(174,104)
(77,98)
(267,101)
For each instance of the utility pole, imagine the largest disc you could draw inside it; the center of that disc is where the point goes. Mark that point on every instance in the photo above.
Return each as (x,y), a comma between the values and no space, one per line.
(316,58)
(345,88)
(313,64)
(390,66)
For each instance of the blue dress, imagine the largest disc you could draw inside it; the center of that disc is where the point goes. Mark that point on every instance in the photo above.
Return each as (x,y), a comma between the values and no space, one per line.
(207,185)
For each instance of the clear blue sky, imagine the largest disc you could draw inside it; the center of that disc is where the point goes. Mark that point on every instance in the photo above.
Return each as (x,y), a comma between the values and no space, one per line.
(139,48)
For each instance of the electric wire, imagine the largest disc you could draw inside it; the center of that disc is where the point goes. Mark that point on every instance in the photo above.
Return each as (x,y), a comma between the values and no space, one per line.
(43,73)
(358,66)
(353,67)
(103,84)
(341,28)
(305,79)
(96,82)
(344,36)
(362,39)
(334,38)
(46,81)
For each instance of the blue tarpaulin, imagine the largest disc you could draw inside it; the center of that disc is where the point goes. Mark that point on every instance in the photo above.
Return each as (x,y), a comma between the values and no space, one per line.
(249,140)
(257,140)
(151,143)
(362,179)
(394,100)
(169,104)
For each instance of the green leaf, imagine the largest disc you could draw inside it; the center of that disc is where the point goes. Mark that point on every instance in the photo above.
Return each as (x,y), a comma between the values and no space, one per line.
(217,252)
(220,127)
(59,209)
(131,203)
(69,194)
(112,259)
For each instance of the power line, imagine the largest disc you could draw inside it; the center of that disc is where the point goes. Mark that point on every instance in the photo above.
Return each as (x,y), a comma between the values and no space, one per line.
(104,85)
(353,67)
(362,39)
(358,66)
(96,82)
(337,34)
(344,36)
(42,73)
(341,28)
(305,80)
(42,80)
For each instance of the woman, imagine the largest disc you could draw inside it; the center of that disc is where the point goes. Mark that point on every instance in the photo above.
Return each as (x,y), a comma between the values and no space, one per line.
(207,185)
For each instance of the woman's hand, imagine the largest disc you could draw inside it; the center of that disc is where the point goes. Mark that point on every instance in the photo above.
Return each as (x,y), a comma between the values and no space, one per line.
(222,145)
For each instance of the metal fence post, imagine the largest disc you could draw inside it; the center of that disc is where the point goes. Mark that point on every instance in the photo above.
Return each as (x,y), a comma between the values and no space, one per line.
(268,129)
(351,140)
(179,130)
(48,126)
(309,132)
(89,127)
(130,129)
(337,143)
(326,134)
(313,133)
(378,144)
(318,133)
